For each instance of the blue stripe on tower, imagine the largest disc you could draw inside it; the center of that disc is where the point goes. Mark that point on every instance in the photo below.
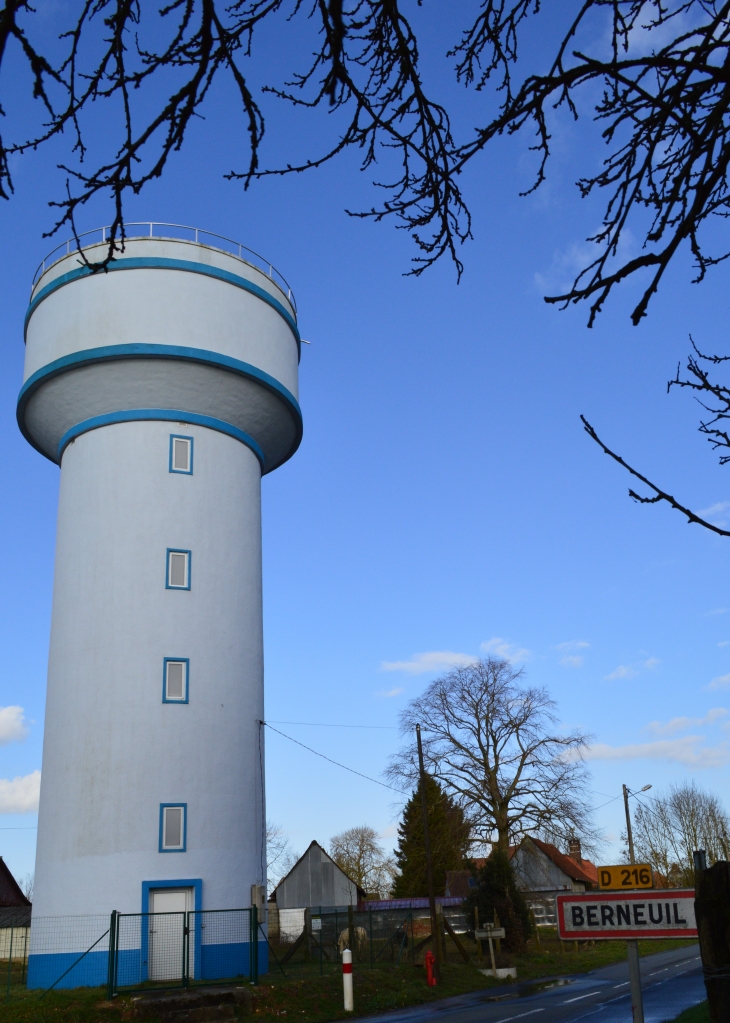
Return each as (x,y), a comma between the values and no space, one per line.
(163,263)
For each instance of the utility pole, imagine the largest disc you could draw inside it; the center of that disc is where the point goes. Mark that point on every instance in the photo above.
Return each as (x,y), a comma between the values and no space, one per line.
(436,937)
(632,947)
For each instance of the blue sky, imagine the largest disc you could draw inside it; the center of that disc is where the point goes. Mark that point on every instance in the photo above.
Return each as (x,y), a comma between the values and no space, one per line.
(445,501)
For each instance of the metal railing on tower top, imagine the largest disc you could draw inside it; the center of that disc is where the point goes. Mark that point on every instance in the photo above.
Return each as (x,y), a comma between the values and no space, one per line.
(151,229)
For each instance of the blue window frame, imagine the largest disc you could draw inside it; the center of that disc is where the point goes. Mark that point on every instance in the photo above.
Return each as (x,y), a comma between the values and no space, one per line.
(175,679)
(181,454)
(173,827)
(177,574)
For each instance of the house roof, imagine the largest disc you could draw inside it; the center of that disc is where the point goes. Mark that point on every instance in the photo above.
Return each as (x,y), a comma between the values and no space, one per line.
(584,871)
(11,893)
(361,893)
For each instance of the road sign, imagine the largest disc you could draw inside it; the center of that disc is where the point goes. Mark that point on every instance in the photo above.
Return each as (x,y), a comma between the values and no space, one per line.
(489,932)
(635,876)
(668,913)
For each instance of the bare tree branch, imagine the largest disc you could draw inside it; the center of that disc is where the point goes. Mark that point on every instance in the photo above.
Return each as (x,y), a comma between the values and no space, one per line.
(358,852)
(493,746)
(659,494)
(667,829)
(663,69)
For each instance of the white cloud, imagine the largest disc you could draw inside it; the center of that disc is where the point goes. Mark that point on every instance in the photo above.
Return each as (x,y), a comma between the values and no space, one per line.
(687,750)
(431,661)
(717,611)
(21,794)
(721,682)
(12,725)
(572,659)
(682,723)
(725,642)
(568,263)
(509,651)
(716,513)
(631,670)
(389,693)
(623,671)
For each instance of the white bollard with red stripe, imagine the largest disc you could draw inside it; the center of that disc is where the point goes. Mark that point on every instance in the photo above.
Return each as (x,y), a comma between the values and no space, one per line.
(347,979)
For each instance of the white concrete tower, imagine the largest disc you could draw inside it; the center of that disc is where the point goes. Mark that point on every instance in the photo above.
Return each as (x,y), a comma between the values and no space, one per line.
(164,388)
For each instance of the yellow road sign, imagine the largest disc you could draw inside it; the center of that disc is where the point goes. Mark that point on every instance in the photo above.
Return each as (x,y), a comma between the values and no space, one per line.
(625,876)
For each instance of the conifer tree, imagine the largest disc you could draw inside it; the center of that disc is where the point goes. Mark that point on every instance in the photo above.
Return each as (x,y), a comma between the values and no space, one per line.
(449,834)
(497,890)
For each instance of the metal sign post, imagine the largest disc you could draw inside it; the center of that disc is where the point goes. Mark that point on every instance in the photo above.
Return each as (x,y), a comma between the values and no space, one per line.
(490,933)
(601,916)
(629,915)
(622,878)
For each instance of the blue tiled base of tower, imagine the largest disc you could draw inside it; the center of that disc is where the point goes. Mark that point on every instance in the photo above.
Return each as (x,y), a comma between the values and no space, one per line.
(61,969)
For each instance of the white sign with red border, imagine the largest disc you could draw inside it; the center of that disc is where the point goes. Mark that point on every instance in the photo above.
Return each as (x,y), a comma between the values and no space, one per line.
(662,913)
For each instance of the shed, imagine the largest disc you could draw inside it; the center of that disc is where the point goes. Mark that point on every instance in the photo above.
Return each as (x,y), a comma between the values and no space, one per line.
(315,880)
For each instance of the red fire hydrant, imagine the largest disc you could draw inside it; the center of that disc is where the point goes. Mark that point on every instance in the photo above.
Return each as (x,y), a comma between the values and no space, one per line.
(430,960)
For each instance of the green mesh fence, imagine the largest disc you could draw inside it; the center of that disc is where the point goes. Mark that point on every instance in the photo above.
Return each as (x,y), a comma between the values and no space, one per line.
(314,939)
(179,950)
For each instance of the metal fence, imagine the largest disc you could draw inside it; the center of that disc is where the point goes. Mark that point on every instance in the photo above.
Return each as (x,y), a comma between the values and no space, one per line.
(165,232)
(139,951)
(67,951)
(168,950)
(13,958)
(389,937)
(131,951)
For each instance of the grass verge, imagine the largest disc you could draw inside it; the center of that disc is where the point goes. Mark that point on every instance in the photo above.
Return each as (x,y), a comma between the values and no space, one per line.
(306,996)
(698,1014)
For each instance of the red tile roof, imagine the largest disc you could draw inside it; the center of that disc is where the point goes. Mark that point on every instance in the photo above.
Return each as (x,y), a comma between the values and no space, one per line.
(584,871)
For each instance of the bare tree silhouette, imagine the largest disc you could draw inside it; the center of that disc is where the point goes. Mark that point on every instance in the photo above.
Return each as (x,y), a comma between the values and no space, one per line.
(664,97)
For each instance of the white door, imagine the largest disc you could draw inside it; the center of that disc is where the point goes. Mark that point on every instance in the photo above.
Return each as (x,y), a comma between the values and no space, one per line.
(166,930)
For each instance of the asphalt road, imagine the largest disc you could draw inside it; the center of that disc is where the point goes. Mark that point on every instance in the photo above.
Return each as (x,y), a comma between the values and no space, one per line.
(671,981)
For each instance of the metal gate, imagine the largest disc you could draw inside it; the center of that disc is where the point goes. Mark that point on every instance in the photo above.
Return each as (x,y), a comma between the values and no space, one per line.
(177,950)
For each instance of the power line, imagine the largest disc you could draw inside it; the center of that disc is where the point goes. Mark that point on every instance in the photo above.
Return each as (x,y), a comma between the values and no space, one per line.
(27,828)
(606,804)
(325,724)
(331,761)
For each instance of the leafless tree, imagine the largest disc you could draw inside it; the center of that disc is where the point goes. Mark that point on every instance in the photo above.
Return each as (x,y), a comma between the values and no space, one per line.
(669,828)
(358,852)
(714,398)
(493,744)
(27,885)
(280,857)
(658,67)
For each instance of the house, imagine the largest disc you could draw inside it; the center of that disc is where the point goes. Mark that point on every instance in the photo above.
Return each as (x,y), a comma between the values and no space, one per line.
(15,910)
(14,906)
(542,872)
(314,882)
(461,883)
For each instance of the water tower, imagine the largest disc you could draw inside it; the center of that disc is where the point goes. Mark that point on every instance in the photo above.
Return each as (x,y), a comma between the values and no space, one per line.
(164,388)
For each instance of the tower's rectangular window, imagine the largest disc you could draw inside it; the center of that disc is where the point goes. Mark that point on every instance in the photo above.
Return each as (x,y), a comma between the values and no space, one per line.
(175,680)
(173,827)
(181,454)
(178,570)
